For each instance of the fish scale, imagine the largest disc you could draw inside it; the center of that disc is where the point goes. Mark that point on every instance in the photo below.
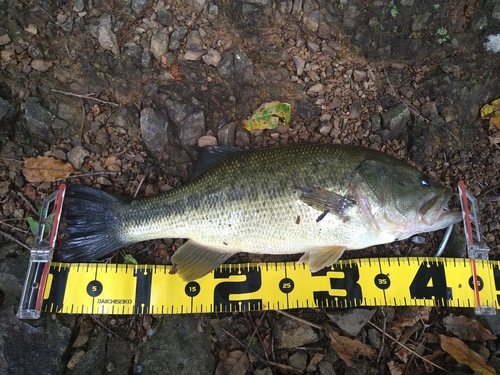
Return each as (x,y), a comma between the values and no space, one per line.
(317,199)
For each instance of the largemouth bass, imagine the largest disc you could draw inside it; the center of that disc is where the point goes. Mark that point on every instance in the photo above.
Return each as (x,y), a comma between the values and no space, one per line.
(316,199)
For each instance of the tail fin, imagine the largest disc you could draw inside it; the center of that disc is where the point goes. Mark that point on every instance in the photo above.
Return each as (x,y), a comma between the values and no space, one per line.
(92,224)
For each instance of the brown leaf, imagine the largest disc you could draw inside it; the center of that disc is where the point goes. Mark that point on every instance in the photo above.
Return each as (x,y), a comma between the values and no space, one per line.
(29,192)
(396,368)
(347,348)
(236,363)
(467,329)
(312,366)
(462,354)
(46,168)
(428,366)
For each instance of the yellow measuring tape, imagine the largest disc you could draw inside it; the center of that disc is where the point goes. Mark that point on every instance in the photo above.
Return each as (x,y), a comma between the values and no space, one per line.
(96,288)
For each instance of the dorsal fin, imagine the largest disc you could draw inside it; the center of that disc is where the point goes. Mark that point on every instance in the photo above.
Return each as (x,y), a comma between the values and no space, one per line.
(209,155)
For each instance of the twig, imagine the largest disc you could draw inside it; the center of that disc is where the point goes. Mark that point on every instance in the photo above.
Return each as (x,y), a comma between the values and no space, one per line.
(138,187)
(383,336)
(13,227)
(85,97)
(106,328)
(259,358)
(300,319)
(256,331)
(86,175)
(83,121)
(33,208)
(14,239)
(407,348)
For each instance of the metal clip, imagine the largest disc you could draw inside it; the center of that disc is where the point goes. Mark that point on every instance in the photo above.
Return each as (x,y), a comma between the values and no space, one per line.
(476,247)
(41,256)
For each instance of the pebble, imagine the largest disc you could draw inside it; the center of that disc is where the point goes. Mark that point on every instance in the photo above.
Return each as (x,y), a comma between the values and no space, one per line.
(353,321)
(159,44)
(313,47)
(4,39)
(358,75)
(212,57)
(194,40)
(193,55)
(226,134)
(326,368)
(176,38)
(314,89)
(105,35)
(355,111)
(41,65)
(292,334)
(207,140)
(76,156)
(298,360)
(336,103)
(299,64)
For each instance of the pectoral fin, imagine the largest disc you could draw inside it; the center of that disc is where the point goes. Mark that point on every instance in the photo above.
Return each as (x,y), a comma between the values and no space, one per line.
(321,257)
(326,201)
(193,260)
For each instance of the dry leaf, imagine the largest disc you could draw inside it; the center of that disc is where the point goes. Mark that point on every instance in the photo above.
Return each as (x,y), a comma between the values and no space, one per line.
(46,168)
(110,161)
(29,192)
(235,364)
(462,354)
(312,366)
(347,348)
(428,366)
(267,116)
(396,368)
(467,329)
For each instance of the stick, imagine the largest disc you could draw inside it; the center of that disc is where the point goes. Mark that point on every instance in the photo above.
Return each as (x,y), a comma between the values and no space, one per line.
(15,240)
(407,348)
(300,319)
(85,97)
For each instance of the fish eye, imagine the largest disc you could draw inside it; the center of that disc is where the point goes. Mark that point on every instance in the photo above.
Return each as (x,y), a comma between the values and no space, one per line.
(425,181)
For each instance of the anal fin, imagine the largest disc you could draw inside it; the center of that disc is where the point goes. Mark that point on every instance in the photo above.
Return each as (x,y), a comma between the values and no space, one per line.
(322,256)
(193,260)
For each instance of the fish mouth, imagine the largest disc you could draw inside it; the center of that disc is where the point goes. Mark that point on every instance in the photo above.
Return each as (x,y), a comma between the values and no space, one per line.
(434,212)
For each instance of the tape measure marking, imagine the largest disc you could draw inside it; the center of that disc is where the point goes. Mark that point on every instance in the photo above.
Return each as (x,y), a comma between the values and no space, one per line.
(92,288)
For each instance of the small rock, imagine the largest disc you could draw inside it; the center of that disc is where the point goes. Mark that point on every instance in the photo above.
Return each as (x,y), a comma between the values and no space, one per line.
(325,128)
(374,338)
(75,359)
(358,75)
(176,38)
(313,47)
(198,5)
(394,121)
(4,39)
(41,65)
(212,57)
(138,6)
(298,360)
(154,131)
(159,44)
(353,321)
(188,119)
(193,55)
(355,111)
(314,89)
(207,140)
(166,18)
(264,371)
(32,29)
(336,103)
(226,134)
(105,35)
(242,138)
(311,20)
(326,368)
(79,6)
(299,64)
(76,156)
(35,51)
(292,334)
(6,109)
(39,119)
(243,67)
(194,41)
